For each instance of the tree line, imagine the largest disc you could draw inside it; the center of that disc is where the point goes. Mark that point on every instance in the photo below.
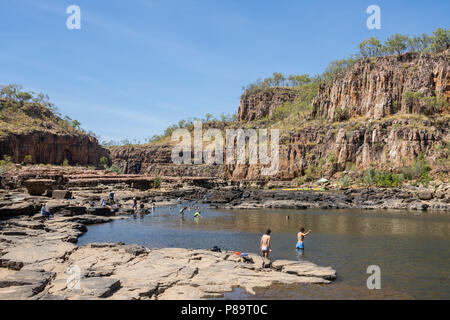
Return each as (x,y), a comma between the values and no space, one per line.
(398,43)
(439,41)
(208,120)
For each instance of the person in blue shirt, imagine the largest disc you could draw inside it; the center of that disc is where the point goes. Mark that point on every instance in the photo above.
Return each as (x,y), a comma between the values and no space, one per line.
(45,212)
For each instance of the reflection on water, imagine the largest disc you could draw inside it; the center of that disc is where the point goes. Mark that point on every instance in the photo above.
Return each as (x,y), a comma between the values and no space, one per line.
(411,249)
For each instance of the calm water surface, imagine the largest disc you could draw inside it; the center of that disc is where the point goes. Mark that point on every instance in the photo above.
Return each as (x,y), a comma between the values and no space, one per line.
(412,249)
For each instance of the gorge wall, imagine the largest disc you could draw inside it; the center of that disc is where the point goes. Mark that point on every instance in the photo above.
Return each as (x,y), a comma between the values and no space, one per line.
(376,87)
(155,160)
(262,103)
(380,128)
(50,148)
(33,129)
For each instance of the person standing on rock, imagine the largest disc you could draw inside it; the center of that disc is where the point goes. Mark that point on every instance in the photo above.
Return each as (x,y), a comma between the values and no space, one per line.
(264,245)
(301,238)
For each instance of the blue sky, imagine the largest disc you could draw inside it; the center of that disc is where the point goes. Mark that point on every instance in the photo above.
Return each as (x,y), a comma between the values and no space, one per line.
(137,66)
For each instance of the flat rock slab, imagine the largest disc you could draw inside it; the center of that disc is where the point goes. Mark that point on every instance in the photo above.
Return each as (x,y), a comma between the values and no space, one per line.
(30,251)
(304,268)
(99,287)
(24,284)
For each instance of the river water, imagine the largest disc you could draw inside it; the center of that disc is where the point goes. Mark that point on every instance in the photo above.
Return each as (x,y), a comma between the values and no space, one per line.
(411,249)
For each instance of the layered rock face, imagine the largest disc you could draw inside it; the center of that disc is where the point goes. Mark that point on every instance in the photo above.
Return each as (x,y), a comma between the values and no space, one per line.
(156,160)
(263,103)
(383,129)
(376,88)
(51,148)
(390,144)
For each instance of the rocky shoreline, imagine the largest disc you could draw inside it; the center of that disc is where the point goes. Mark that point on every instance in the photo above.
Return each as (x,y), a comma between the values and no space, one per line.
(363,199)
(39,261)
(36,255)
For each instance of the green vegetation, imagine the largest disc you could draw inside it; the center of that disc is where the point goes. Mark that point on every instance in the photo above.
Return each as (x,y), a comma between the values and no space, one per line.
(22,111)
(28,159)
(279,80)
(397,44)
(310,174)
(429,105)
(5,164)
(382,179)
(342,114)
(104,161)
(419,170)
(115,169)
(208,121)
(345,181)
(156,183)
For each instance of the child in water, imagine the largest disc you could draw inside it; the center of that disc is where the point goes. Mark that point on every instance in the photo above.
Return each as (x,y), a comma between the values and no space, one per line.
(301,237)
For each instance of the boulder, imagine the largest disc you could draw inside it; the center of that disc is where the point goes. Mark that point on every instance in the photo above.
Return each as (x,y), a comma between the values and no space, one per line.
(425,195)
(39,187)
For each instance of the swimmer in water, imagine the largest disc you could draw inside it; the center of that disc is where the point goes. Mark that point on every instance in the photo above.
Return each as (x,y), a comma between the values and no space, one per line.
(301,238)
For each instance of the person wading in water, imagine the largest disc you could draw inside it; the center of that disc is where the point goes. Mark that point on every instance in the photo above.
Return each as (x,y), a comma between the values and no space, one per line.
(301,238)
(264,245)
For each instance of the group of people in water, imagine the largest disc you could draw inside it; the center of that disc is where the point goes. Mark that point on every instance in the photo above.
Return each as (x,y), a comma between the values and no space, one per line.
(264,245)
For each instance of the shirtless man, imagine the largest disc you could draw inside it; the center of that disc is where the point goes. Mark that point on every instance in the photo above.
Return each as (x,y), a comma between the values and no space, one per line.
(301,237)
(264,245)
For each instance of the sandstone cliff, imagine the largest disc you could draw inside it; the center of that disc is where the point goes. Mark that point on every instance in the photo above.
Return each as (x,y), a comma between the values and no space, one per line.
(51,148)
(262,103)
(156,160)
(362,119)
(33,133)
(376,87)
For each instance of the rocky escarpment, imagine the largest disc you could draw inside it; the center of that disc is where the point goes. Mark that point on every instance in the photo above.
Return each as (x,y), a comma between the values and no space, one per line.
(52,148)
(364,118)
(33,133)
(262,103)
(156,160)
(389,144)
(377,87)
